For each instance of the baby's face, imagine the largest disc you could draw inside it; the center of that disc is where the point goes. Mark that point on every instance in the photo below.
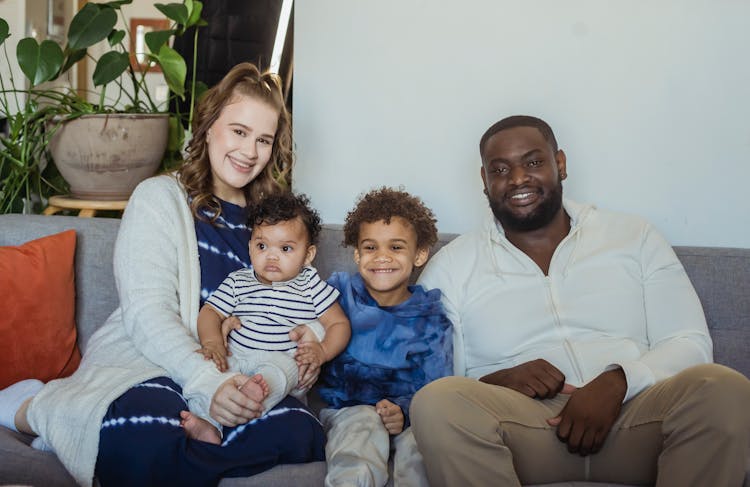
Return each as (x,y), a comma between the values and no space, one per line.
(386,254)
(279,252)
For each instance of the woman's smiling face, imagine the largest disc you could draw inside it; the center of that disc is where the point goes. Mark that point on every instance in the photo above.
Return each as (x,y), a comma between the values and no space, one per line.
(240,143)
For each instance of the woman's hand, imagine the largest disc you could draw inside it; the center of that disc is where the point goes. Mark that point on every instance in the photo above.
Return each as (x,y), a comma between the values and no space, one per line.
(230,406)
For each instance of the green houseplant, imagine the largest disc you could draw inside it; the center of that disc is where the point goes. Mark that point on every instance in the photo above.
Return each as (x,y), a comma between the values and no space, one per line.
(36,114)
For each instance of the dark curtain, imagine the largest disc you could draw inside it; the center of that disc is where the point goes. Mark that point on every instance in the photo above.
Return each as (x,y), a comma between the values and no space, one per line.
(237,31)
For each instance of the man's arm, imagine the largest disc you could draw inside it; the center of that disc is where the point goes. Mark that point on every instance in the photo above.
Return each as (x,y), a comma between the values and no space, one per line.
(675,324)
(678,338)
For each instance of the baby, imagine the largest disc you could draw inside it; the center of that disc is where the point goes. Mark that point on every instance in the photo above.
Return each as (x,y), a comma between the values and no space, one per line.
(270,299)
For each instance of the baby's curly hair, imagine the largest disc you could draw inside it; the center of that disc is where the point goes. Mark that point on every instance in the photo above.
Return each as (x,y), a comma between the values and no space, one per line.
(283,207)
(385,203)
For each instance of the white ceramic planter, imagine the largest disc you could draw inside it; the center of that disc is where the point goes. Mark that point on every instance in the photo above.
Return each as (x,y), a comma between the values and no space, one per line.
(104,157)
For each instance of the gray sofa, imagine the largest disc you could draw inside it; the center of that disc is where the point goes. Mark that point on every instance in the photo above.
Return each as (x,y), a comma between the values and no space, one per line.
(720,275)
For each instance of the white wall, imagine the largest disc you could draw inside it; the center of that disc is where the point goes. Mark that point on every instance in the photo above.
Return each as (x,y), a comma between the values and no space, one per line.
(650,100)
(13,12)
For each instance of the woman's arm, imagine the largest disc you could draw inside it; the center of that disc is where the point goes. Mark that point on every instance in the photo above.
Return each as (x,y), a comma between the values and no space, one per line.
(157,275)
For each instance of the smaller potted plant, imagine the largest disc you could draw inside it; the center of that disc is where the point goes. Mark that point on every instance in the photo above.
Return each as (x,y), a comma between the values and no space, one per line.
(42,120)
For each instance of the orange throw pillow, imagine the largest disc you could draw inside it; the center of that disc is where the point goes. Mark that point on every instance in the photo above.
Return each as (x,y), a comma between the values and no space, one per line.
(37,310)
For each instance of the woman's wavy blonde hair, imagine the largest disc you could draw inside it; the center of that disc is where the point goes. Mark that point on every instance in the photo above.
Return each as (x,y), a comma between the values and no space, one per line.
(195,174)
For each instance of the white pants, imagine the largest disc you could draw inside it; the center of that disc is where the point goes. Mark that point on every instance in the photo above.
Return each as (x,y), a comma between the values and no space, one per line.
(359,446)
(279,370)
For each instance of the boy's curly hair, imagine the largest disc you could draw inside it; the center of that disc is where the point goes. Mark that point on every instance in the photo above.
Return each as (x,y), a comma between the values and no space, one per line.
(283,207)
(385,203)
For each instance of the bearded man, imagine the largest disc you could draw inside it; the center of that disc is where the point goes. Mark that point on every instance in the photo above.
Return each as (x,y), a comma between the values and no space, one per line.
(583,344)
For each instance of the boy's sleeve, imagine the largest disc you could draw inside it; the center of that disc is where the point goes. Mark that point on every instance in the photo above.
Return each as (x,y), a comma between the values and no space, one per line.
(403,403)
(437,362)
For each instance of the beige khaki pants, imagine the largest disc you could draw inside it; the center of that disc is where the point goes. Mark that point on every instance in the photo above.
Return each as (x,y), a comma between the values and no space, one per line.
(359,446)
(692,429)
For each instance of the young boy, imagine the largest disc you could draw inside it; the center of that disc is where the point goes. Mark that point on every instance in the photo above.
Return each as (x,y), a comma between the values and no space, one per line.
(401,340)
(278,292)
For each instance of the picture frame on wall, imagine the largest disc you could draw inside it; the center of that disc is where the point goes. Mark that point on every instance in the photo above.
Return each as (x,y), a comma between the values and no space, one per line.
(56,19)
(139,27)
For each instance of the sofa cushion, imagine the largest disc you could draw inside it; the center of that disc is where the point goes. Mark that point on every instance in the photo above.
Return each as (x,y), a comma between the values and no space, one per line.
(37,297)
(96,294)
(23,465)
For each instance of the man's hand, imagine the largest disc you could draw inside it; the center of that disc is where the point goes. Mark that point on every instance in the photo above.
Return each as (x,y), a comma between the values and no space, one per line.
(586,419)
(391,415)
(538,379)
(217,352)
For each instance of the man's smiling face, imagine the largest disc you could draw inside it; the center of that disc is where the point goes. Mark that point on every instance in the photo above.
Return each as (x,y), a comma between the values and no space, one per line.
(522,177)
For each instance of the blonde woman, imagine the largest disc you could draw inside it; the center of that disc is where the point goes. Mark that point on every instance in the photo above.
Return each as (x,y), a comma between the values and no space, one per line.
(118,416)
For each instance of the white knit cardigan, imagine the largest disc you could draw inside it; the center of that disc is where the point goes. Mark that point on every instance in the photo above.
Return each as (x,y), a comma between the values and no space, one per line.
(152,333)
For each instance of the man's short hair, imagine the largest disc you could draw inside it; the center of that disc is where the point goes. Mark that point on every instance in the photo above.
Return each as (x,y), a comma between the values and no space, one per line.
(519,121)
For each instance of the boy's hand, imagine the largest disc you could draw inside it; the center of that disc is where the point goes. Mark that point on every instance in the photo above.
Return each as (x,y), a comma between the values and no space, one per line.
(230,323)
(217,352)
(391,415)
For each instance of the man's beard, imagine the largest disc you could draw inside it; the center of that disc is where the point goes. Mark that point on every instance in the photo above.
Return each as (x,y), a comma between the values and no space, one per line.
(540,217)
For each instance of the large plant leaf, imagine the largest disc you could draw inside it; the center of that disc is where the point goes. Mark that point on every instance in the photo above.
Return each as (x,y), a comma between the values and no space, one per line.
(110,66)
(115,37)
(4,31)
(90,25)
(175,11)
(195,8)
(72,57)
(39,62)
(174,69)
(118,3)
(157,38)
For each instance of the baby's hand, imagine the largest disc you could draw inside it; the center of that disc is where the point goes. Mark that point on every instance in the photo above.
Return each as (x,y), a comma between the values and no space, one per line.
(230,323)
(309,366)
(391,415)
(310,353)
(302,334)
(216,352)
(309,356)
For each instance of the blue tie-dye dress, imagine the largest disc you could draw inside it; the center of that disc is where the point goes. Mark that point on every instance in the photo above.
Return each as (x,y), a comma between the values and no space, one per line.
(141,437)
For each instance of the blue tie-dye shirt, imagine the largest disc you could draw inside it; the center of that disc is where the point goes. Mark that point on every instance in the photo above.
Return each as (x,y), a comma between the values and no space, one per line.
(223,247)
(394,350)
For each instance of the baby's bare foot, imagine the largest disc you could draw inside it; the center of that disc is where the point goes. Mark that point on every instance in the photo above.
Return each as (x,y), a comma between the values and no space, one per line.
(199,429)
(255,388)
